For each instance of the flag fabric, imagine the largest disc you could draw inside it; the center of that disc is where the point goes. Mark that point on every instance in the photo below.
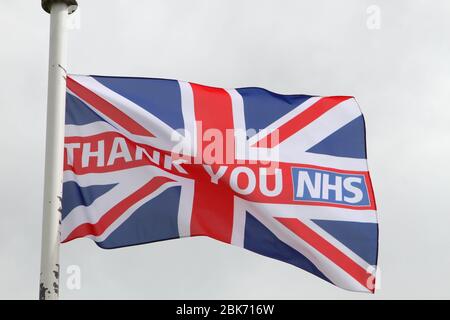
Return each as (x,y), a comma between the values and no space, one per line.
(284,176)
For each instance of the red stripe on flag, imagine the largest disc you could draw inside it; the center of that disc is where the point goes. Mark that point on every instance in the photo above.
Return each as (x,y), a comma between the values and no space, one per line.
(115,212)
(212,211)
(299,122)
(107,108)
(328,250)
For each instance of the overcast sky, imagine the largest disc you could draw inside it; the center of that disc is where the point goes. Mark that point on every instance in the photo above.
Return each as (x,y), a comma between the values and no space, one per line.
(399,73)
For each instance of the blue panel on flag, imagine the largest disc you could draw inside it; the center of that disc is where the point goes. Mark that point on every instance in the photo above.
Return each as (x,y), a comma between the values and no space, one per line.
(261,240)
(349,141)
(78,113)
(361,238)
(74,195)
(263,107)
(154,221)
(160,97)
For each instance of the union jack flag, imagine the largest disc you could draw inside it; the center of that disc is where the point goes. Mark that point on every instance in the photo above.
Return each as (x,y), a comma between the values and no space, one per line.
(284,176)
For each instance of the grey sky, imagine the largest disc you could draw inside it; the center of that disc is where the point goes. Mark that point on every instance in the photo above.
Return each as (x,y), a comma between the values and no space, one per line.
(400,75)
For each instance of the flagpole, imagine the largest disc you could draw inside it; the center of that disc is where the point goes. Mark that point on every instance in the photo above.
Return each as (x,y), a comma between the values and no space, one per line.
(54,146)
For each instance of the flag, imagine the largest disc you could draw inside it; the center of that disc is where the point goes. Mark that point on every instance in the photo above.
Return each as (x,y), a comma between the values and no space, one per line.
(284,176)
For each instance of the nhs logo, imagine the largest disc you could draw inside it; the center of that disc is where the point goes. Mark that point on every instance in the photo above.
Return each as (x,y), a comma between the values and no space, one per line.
(317,185)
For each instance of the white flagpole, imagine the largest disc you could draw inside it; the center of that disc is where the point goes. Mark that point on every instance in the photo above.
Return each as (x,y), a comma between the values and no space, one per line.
(54,146)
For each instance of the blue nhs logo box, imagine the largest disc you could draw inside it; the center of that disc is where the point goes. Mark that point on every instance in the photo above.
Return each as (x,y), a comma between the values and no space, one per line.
(327,186)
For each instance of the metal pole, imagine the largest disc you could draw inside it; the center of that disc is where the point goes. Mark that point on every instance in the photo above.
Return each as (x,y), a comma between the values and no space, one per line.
(54,147)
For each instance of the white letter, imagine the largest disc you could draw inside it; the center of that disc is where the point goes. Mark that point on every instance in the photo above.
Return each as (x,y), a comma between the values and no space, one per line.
(234,180)
(336,187)
(263,183)
(69,147)
(303,178)
(215,176)
(358,195)
(116,154)
(154,158)
(87,153)
(168,163)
